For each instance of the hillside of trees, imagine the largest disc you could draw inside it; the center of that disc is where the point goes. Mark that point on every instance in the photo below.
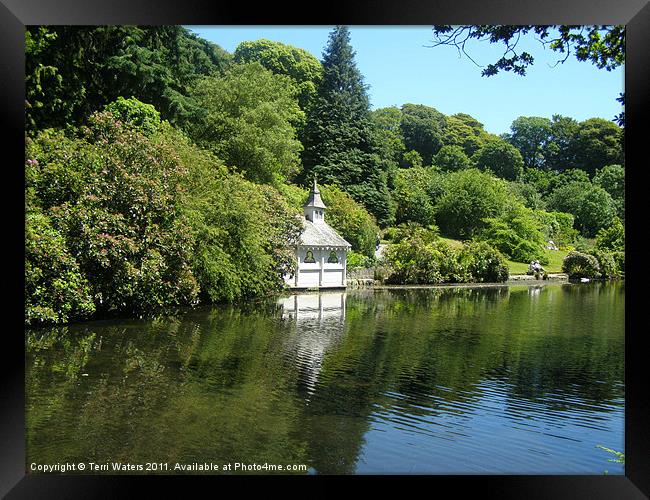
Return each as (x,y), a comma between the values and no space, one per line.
(163,171)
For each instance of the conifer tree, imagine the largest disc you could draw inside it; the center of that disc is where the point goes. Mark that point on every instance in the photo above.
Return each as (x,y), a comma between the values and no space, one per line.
(339,146)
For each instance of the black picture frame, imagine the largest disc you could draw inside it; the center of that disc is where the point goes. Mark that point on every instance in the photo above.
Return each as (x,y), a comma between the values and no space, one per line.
(15,14)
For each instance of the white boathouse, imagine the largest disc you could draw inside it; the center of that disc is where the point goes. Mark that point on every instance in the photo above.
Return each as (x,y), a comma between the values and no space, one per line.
(321,253)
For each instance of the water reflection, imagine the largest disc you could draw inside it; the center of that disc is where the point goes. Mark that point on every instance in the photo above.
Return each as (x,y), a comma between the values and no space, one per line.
(455,380)
(319,319)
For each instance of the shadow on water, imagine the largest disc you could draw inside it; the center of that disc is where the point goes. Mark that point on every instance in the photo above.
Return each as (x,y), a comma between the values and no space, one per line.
(448,380)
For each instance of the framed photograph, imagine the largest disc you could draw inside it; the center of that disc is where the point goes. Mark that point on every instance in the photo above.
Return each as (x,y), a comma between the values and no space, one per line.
(385,243)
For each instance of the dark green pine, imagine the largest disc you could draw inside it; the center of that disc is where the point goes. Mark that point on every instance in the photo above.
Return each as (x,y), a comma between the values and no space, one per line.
(339,147)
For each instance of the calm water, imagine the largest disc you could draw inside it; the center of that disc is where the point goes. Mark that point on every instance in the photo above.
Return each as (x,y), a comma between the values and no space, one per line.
(520,380)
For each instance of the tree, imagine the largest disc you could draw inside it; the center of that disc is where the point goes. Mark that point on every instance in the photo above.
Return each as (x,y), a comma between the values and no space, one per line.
(388,134)
(351,220)
(72,71)
(249,122)
(470,197)
(412,198)
(612,179)
(591,205)
(284,59)
(612,238)
(531,135)
(561,149)
(603,46)
(598,143)
(451,158)
(113,195)
(142,116)
(501,158)
(422,129)
(339,141)
(527,193)
(516,233)
(465,131)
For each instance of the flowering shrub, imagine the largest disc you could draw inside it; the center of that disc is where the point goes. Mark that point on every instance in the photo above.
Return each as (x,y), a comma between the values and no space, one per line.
(121,221)
(581,265)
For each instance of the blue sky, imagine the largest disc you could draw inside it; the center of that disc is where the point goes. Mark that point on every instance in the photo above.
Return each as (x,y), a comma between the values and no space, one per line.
(399,69)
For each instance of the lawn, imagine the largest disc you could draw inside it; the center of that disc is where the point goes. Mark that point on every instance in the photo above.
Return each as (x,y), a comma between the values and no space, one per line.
(555,258)
(554,265)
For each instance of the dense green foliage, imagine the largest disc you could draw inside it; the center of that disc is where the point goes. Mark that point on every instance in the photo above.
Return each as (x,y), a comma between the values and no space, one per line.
(451,158)
(413,195)
(612,179)
(283,59)
(351,220)
(55,289)
(500,158)
(612,238)
(422,128)
(339,136)
(140,222)
(419,257)
(163,171)
(114,195)
(591,205)
(516,234)
(581,265)
(143,117)
(73,71)
(465,131)
(249,121)
(470,196)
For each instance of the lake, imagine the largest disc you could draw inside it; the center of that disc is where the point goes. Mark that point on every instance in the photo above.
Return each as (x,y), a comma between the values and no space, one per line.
(449,380)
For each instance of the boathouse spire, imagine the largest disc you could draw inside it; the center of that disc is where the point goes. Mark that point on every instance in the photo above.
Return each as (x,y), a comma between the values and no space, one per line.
(315,208)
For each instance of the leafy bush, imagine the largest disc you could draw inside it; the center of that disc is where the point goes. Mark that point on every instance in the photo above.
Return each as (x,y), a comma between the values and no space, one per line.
(143,117)
(451,158)
(486,264)
(517,234)
(243,234)
(412,198)
(612,238)
(357,260)
(119,213)
(558,227)
(612,179)
(137,222)
(55,289)
(351,220)
(527,194)
(390,233)
(500,158)
(611,265)
(581,265)
(419,257)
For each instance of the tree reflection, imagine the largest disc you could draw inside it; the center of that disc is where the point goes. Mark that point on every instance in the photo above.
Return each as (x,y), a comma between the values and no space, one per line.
(301,379)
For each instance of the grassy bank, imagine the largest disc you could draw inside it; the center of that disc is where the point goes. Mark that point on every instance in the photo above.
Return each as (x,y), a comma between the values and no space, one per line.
(555,258)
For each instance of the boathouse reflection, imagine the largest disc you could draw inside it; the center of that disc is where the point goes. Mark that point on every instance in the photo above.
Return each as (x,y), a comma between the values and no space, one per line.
(319,320)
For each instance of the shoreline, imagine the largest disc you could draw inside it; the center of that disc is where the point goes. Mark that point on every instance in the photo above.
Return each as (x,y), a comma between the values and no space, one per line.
(513,280)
